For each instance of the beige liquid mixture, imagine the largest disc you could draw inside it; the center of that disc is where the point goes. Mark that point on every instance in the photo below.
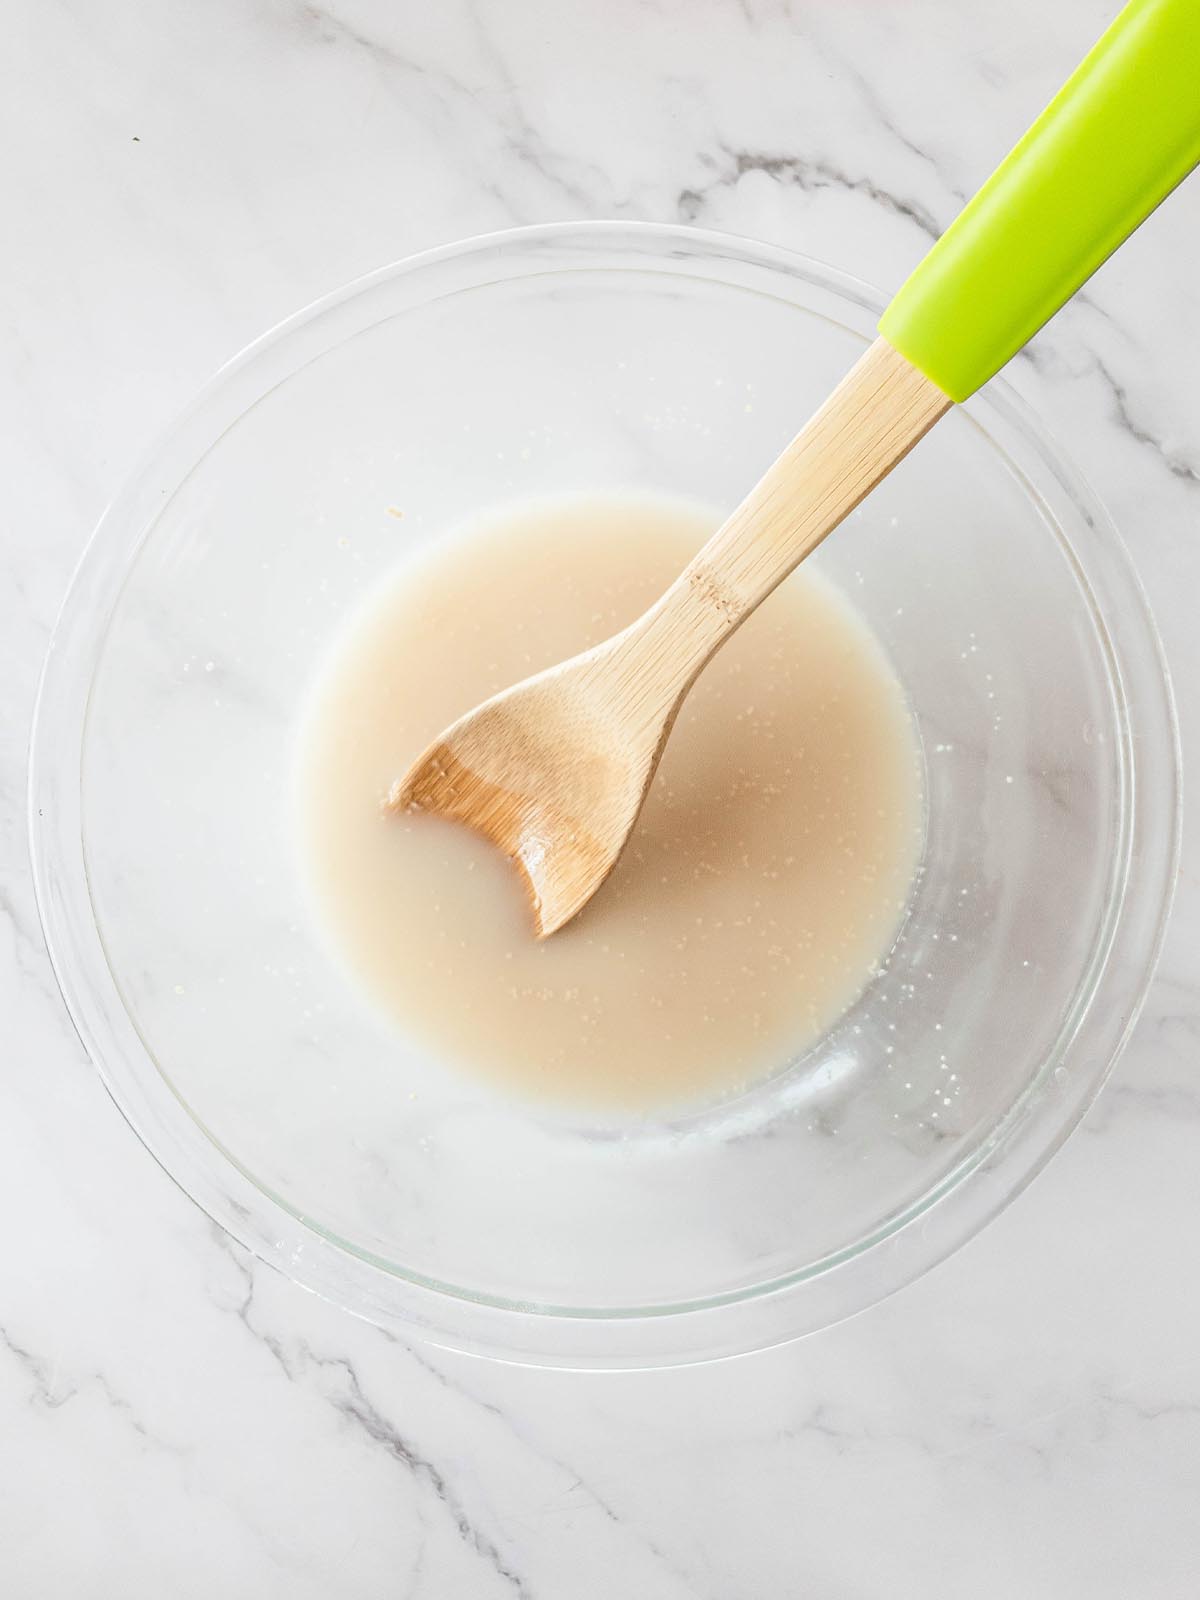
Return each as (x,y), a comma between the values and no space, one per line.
(765,878)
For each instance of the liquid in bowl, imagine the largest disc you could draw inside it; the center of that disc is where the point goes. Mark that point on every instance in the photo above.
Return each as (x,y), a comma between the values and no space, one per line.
(764,881)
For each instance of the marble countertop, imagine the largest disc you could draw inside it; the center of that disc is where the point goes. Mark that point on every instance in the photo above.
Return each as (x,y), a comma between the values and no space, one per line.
(177,1420)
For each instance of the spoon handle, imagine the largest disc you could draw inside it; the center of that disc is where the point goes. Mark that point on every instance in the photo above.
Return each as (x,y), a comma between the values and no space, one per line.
(1116,139)
(874,417)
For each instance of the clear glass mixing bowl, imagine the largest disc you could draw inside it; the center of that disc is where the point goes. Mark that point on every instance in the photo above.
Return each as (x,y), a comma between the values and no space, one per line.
(550,360)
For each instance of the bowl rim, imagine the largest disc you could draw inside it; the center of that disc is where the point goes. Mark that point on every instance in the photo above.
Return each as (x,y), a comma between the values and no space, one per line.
(984,1181)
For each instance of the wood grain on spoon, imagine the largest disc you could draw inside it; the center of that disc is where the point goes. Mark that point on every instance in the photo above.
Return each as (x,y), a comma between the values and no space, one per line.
(554,770)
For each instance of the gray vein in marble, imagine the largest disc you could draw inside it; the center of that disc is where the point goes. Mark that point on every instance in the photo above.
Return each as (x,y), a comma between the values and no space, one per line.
(757,11)
(416,1575)
(1117,1401)
(356,1408)
(982,1428)
(1086,299)
(28,950)
(1167,1095)
(1047,353)
(1176,463)
(376,1425)
(22,936)
(47,1392)
(1182,985)
(602,1505)
(844,1438)
(43,1373)
(849,72)
(521,137)
(1100,1401)
(809,175)
(332,29)
(524,140)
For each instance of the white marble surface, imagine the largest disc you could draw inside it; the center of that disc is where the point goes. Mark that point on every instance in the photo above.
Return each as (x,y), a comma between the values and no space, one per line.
(175,1420)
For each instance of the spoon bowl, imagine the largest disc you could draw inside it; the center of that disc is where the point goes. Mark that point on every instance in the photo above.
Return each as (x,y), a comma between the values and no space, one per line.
(552,771)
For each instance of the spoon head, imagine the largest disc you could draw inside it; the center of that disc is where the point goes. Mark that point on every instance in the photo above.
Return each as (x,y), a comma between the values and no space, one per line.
(551,773)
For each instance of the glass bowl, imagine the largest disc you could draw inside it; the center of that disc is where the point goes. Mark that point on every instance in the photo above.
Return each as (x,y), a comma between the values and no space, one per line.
(551,360)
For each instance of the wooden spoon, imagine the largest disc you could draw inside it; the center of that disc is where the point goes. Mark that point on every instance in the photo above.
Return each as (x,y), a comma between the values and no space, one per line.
(554,771)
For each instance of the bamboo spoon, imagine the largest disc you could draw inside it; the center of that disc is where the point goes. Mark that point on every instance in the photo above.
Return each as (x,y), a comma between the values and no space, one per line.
(554,770)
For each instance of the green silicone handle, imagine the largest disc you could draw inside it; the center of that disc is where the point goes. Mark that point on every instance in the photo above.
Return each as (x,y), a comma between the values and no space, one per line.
(1115,140)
